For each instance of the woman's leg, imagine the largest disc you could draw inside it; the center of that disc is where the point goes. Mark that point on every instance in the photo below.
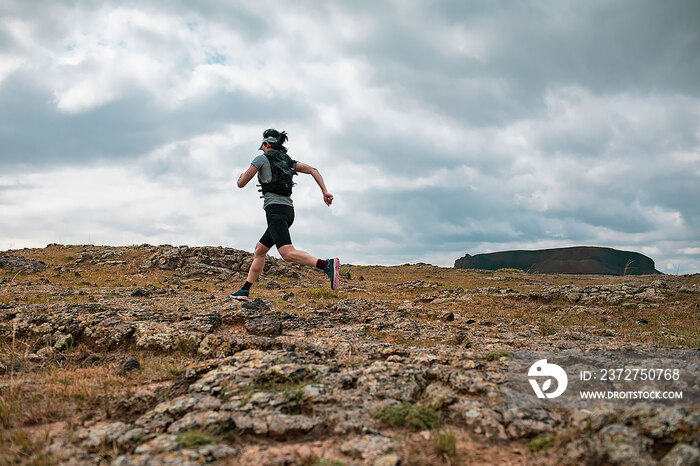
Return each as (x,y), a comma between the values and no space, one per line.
(256,267)
(291,254)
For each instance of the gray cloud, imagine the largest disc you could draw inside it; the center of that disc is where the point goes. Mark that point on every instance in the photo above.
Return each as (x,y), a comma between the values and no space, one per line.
(35,132)
(441,128)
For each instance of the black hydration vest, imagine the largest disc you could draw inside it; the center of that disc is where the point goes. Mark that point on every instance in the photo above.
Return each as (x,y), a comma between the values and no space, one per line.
(282,167)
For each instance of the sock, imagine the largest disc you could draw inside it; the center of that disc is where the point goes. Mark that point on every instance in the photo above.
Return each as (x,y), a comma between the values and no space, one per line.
(321,264)
(246,285)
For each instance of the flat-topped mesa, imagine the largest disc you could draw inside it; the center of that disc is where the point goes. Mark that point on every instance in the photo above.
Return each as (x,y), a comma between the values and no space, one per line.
(573,260)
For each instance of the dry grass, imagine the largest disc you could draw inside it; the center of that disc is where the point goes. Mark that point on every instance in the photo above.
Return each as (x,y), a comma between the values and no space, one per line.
(61,391)
(323,295)
(58,394)
(70,396)
(21,446)
(445,445)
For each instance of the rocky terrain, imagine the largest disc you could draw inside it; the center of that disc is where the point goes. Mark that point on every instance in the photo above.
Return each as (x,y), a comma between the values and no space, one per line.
(135,355)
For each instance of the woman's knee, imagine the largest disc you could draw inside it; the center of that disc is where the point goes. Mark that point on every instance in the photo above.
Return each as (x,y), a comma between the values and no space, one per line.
(261,250)
(287,252)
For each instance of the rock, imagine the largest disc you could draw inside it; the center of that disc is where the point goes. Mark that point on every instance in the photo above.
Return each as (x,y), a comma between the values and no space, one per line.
(214,422)
(129,365)
(141,292)
(579,419)
(600,418)
(471,382)
(257,305)
(44,352)
(116,433)
(482,420)
(188,403)
(527,423)
(155,338)
(439,396)
(205,323)
(162,443)
(367,446)
(584,450)
(16,264)
(681,454)
(223,263)
(180,457)
(656,423)
(216,346)
(391,380)
(60,450)
(268,325)
(165,413)
(623,445)
(388,460)
(216,452)
(672,423)
(63,342)
(448,317)
(285,426)
(315,393)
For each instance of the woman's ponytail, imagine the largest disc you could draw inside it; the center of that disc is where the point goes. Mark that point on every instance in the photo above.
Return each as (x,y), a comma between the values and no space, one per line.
(281,139)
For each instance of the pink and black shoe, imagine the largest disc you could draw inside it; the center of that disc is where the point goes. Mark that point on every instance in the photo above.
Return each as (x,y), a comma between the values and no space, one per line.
(332,270)
(240,295)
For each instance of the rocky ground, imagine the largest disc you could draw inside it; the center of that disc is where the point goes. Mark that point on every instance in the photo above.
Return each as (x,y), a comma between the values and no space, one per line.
(135,355)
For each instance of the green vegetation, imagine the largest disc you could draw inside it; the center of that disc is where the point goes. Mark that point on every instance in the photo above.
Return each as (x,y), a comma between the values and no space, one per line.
(291,385)
(316,461)
(495,355)
(546,327)
(543,442)
(293,398)
(195,438)
(324,293)
(278,382)
(445,445)
(406,414)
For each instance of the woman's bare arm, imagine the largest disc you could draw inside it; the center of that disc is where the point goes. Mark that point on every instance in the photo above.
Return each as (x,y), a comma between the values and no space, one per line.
(308,169)
(247,176)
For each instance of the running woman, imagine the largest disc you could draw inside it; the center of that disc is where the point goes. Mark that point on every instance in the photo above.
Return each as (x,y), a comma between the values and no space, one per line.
(275,170)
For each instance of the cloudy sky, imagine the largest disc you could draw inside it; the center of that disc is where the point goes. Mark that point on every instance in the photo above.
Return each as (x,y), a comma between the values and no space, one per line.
(442,128)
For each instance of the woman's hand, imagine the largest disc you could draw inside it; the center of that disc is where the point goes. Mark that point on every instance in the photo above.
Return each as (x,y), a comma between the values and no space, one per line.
(328,198)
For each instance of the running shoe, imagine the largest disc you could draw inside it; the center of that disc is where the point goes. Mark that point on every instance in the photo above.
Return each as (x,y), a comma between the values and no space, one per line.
(332,270)
(240,295)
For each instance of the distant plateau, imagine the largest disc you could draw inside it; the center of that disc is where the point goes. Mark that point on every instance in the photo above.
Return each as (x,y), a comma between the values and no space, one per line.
(571,260)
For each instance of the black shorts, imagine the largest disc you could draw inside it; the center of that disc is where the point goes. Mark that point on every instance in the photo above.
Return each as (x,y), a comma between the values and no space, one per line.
(279,219)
